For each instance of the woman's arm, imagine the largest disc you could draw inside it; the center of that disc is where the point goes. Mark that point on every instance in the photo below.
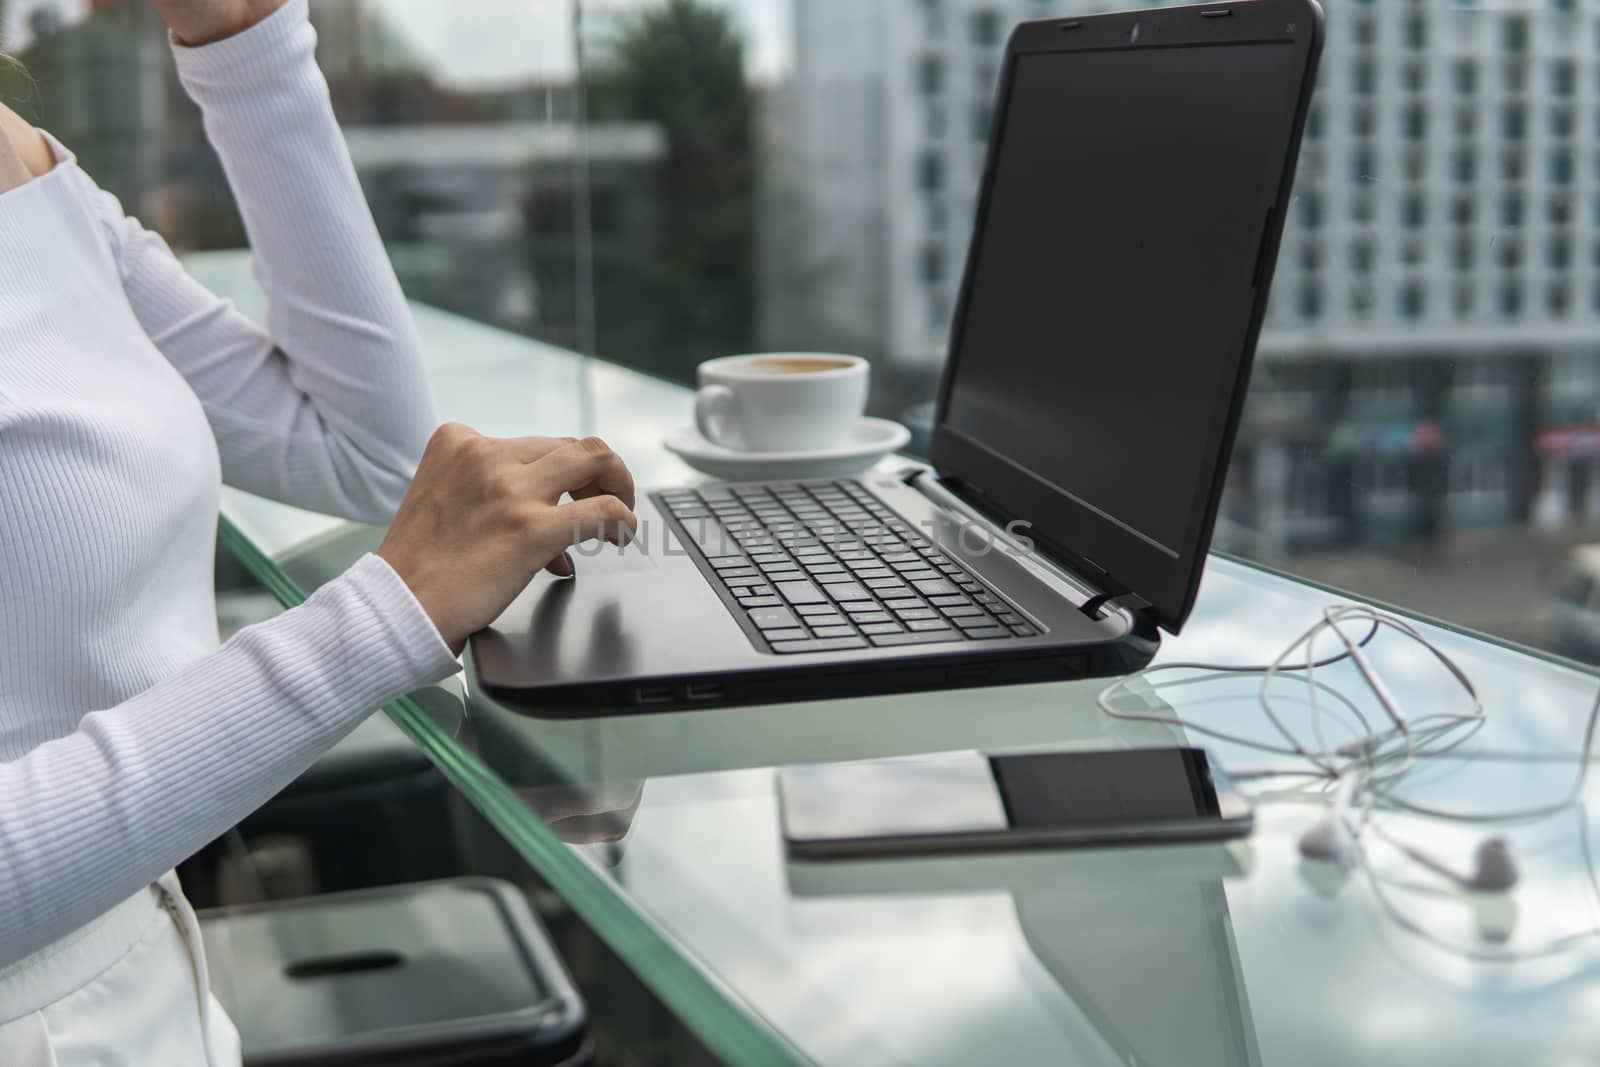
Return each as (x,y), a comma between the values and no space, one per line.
(329,408)
(87,819)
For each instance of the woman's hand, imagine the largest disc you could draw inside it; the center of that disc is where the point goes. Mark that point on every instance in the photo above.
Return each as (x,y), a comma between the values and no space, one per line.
(484,515)
(198,22)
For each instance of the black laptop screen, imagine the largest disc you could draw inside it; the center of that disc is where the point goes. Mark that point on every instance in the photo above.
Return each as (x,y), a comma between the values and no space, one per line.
(1111,290)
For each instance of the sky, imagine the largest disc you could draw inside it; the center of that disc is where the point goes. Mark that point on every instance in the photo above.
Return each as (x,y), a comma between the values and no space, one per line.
(489,42)
(477,42)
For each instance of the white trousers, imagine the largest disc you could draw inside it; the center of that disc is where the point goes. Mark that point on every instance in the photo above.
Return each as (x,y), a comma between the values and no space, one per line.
(127,990)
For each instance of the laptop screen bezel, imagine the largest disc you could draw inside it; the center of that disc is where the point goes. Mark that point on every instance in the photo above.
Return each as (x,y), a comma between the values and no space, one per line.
(1104,551)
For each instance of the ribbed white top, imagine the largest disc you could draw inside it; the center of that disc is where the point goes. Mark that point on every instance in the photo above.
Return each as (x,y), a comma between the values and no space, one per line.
(127,394)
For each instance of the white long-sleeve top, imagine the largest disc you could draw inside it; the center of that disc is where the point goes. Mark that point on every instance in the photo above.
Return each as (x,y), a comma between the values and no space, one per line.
(128,394)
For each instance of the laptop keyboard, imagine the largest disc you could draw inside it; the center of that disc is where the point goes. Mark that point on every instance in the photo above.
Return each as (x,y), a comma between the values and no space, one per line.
(825,567)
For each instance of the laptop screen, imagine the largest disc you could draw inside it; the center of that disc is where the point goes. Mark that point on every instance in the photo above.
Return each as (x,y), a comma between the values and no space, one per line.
(1111,288)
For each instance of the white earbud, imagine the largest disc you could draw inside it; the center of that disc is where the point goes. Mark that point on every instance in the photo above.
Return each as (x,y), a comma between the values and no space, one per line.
(1327,840)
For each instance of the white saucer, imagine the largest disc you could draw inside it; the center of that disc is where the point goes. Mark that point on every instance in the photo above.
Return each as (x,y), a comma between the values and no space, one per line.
(870,441)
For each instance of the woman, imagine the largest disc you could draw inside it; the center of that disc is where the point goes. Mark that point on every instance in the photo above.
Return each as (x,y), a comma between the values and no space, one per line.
(128,394)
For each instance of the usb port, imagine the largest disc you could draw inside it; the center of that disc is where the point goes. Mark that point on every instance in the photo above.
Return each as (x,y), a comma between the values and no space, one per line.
(706,691)
(653,694)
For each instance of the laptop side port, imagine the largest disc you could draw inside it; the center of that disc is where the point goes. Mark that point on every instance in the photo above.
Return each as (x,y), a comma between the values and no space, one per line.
(653,694)
(706,691)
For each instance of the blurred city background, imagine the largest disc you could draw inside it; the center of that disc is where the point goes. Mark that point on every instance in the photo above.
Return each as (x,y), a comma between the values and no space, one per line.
(657,182)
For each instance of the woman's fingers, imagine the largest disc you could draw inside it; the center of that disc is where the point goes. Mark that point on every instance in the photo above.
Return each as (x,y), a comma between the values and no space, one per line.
(533,449)
(586,469)
(597,518)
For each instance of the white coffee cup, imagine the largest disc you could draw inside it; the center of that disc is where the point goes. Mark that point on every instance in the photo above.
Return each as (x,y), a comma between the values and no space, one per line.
(781,401)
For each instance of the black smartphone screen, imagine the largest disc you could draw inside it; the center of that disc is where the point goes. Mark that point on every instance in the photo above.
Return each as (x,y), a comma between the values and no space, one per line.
(1066,789)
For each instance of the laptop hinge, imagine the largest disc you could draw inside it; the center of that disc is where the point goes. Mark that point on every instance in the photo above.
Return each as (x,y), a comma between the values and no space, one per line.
(1095,596)
(1132,603)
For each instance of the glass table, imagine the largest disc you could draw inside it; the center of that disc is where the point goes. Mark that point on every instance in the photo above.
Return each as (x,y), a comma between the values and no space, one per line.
(661,832)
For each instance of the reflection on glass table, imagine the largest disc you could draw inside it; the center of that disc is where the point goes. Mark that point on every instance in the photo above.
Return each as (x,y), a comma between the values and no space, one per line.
(1183,955)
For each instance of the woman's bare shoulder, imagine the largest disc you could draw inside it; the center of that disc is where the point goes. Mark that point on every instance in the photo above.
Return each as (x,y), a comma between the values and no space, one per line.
(27,141)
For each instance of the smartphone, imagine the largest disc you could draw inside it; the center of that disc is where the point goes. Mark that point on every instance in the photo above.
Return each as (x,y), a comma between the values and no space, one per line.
(968,800)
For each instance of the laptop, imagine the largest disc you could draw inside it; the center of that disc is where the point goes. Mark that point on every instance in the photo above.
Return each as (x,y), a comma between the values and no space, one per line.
(1133,198)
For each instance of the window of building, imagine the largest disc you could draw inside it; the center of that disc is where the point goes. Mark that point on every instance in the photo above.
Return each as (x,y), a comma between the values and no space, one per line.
(1558,253)
(1562,77)
(930,171)
(982,117)
(1362,77)
(1508,253)
(1513,122)
(1511,211)
(930,263)
(1412,301)
(930,75)
(1361,257)
(1464,210)
(1464,164)
(1464,75)
(985,27)
(1310,302)
(1510,299)
(1414,32)
(1558,299)
(1464,254)
(1363,166)
(1561,167)
(1514,33)
(1310,205)
(1414,122)
(1413,211)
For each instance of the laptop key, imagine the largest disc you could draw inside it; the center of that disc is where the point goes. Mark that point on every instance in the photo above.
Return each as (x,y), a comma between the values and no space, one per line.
(986,598)
(952,601)
(819,644)
(773,618)
(862,607)
(730,563)
(935,587)
(926,625)
(1009,618)
(962,610)
(739,576)
(879,629)
(796,633)
(897,640)
(1024,631)
(848,591)
(833,631)
(986,633)
(760,601)
(871,617)
(801,593)
(879,573)
(814,609)
(906,604)
(832,578)
(979,622)
(919,614)
(818,621)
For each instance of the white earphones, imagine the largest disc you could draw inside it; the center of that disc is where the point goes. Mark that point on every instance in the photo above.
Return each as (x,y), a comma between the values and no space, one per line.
(1331,840)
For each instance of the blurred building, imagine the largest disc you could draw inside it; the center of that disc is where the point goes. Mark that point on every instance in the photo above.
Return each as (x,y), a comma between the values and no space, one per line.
(1432,355)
